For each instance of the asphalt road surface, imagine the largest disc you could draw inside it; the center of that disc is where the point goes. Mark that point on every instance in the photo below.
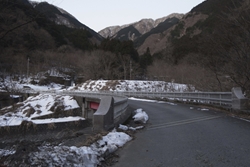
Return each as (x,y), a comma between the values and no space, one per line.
(187,136)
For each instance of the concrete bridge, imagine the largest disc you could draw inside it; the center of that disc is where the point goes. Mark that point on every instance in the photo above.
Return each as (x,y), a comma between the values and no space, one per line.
(108,109)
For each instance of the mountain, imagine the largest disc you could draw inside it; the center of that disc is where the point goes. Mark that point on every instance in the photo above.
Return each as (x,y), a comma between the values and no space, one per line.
(202,23)
(135,30)
(182,37)
(32,25)
(44,34)
(62,17)
(149,39)
(208,47)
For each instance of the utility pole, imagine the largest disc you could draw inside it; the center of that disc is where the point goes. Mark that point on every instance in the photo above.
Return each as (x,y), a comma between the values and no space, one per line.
(130,69)
(28,67)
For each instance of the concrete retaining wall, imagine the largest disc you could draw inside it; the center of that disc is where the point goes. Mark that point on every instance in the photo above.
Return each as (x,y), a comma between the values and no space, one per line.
(121,113)
(110,113)
(103,118)
(30,128)
(112,109)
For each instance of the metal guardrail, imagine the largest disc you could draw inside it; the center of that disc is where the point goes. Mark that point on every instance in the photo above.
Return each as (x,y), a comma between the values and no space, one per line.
(218,98)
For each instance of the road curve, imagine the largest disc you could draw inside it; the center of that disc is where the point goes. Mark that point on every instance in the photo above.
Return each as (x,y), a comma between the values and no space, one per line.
(187,136)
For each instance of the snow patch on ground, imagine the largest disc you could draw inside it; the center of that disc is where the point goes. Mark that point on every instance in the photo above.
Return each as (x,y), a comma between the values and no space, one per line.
(4,153)
(140,116)
(57,120)
(153,101)
(126,128)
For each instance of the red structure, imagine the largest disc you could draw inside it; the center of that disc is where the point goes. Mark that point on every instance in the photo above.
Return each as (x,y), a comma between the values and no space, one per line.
(94,105)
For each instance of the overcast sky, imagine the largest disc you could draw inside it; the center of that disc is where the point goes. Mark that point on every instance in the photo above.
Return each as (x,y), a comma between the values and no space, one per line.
(99,14)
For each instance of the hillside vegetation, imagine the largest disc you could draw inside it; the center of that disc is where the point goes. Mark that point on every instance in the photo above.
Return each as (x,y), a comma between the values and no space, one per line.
(46,37)
(207,47)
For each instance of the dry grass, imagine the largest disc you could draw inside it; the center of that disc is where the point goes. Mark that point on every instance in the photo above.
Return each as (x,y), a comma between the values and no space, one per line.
(93,138)
(51,126)
(12,108)
(29,112)
(7,128)
(27,125)
(39,111)
(77,123)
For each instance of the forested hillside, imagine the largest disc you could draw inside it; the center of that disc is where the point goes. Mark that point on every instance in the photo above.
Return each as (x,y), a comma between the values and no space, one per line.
(208,47)
(47,37)
(26,32)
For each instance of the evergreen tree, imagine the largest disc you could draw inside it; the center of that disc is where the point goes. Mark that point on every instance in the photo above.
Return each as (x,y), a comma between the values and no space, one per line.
(146,59)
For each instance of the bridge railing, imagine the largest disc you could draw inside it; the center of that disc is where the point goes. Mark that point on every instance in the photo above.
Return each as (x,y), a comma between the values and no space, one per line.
(215,98)
(218,98)
(221,98)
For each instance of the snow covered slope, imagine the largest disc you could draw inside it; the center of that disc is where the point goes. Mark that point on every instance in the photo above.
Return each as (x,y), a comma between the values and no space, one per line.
(38,106)
(131,85)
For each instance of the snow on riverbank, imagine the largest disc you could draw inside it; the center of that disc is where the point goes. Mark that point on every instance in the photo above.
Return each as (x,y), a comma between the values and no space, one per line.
(37,106)
(85,156)
(90,156)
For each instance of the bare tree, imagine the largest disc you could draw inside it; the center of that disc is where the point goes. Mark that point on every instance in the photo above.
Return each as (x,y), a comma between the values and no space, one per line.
(231,47)
(160,70)
(107,62)
(124,61)
(6,18)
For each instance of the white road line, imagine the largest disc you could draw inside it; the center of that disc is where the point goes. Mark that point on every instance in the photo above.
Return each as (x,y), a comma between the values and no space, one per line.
(183,122)
(243,119)
(191,119)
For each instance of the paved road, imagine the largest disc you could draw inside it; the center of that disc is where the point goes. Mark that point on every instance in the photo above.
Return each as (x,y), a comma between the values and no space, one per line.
(180,136)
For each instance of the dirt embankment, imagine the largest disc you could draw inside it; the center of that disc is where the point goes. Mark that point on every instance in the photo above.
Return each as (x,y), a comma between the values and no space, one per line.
(25,143)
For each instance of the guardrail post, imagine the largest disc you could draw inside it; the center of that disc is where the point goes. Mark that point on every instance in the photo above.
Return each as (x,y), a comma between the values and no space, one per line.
(198,99)
(239,101)
(220,99)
